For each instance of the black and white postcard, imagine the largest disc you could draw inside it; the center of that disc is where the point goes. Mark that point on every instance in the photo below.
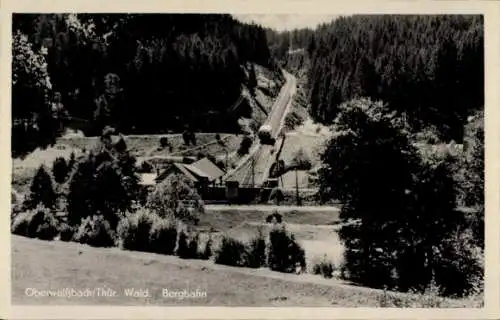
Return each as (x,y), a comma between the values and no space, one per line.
(242,155)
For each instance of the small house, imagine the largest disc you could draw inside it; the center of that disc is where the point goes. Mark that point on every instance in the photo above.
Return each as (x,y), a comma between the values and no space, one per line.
(201,173)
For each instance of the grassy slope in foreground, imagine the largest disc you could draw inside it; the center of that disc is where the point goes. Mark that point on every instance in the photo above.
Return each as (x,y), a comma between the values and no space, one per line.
(56,265)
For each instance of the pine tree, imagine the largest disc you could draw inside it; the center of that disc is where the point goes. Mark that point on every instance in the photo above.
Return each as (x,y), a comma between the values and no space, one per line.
(41,190)
(252,80)
(60,170)
(105,182)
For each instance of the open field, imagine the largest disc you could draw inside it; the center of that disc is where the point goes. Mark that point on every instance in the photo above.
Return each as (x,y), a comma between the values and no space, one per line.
(149,145)
(225,218)
(288,180)
(311,144)
(54,265)
(314,230)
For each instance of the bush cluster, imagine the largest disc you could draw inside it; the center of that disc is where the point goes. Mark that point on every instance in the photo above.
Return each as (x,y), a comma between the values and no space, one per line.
(66,232)
(324,268)
(245,144)
(36,223)
(146,231)
(274,217)
(282,253)
(176,198)
(293,120)
(285,254)
(256,251)
(187,247)
(231,252)
(95,231)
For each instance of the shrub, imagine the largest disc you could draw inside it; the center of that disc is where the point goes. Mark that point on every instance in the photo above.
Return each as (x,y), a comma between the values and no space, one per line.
(95,231)
(71,162)
(292,120)
(185,137)
(256,251)
(176,198)
(428,299)
(429,135)
(207,251)
(15,203)
(193,138)
(36,223)
(104,183)
(120,146)
(189,138)
(66,232)
(134,230)
(192,252)
(285,254)
(20,224)
(145,167)
(274,217)
(245,144)
(231,252)
(460,267)
(266,138)
(164,142)
(47,230)
(324,268)
(41,190)
(163,236)
(301,160)
(183,250)
(60,170)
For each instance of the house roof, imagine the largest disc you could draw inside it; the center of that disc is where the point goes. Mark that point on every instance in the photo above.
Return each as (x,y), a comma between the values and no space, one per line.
(196,171)
(208,168)
(185,171)
(201,169)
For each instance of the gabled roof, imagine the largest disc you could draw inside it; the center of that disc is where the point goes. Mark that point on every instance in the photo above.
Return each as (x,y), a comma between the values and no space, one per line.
(207,168)
(199,170)
(196,171)
(185,171)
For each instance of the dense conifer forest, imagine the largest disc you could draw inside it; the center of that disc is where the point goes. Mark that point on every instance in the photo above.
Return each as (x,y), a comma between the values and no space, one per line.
(428,67)
(141,73)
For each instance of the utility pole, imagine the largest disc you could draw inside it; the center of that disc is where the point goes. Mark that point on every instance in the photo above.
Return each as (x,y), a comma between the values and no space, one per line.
(227,162)
(253,172)
(297,187)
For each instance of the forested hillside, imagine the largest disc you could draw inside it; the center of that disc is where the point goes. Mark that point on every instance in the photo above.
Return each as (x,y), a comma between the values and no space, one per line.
(297,40)
(428,67)
(141,73)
